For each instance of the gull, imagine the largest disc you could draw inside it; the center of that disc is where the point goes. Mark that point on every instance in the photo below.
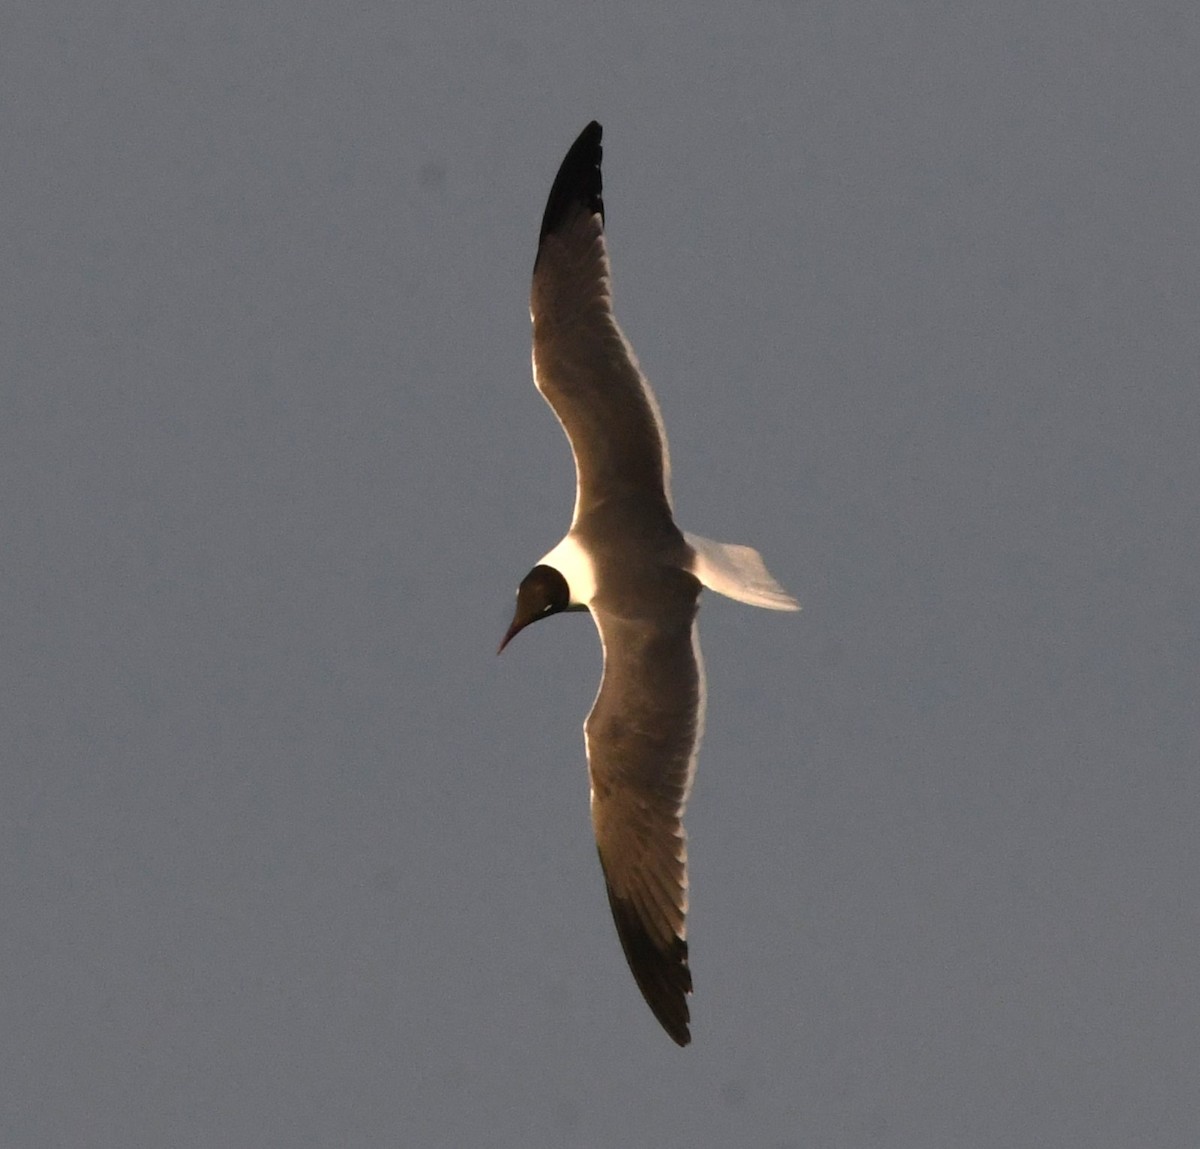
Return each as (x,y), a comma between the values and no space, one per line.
(626,562)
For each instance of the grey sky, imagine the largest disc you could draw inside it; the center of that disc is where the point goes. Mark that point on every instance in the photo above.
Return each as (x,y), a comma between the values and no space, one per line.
(289,858)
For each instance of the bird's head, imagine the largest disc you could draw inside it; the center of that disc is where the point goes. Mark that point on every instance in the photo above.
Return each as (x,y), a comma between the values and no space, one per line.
(543,592)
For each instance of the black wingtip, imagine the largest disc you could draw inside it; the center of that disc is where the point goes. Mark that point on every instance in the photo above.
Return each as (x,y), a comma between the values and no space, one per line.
(578,182)
(663,976)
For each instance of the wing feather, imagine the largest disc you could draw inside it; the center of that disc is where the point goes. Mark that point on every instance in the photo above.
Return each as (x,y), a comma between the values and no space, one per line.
(642,739)
(582,363)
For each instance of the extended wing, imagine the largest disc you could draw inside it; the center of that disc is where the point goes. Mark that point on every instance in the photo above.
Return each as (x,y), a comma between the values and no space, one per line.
(582,364)
(642,737)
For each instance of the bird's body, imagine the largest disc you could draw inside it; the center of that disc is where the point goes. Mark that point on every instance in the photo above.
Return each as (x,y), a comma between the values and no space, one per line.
(627,563)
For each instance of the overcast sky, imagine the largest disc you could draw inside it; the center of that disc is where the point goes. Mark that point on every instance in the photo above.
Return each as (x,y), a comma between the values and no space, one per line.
(289,858)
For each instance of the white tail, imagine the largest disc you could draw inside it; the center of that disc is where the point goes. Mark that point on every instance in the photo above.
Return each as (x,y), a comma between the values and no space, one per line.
(737,572)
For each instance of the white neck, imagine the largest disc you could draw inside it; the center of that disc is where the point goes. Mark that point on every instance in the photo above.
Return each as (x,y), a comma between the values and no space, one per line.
(572,562)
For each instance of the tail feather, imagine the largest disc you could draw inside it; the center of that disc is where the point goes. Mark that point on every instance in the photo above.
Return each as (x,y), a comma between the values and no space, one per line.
(737,572)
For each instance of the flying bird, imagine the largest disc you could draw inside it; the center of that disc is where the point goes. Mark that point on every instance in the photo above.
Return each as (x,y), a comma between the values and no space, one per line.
(626,562)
